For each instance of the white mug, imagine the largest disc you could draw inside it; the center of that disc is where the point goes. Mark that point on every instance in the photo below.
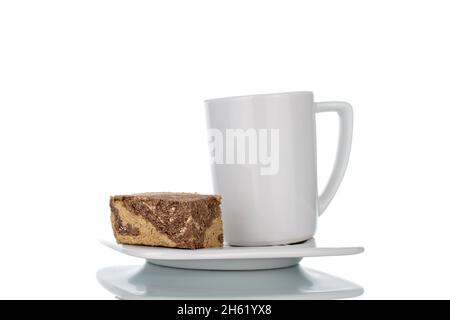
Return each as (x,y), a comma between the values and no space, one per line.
(263,150)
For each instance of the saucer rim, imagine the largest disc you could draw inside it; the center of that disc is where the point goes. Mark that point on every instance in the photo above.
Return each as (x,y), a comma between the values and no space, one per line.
(231,253)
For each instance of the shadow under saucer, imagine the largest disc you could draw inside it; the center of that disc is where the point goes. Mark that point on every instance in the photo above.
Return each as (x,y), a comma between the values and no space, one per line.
(150,281)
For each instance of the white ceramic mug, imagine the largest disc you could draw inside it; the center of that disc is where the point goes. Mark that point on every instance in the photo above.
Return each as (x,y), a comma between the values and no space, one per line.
(263,150)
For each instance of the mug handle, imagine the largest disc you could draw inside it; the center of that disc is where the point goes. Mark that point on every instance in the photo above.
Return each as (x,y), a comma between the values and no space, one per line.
(345,113)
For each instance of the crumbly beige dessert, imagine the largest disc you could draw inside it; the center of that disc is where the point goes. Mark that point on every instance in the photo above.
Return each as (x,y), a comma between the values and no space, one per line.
(177,220)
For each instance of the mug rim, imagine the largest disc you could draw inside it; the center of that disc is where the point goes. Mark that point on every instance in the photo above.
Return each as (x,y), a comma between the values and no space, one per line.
(249,96)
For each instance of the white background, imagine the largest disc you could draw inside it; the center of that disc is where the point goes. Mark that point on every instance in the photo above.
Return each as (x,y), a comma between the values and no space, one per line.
(106,97)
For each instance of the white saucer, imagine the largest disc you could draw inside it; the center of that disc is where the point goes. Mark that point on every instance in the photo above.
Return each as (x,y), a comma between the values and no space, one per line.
(232,258)
(155,282)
